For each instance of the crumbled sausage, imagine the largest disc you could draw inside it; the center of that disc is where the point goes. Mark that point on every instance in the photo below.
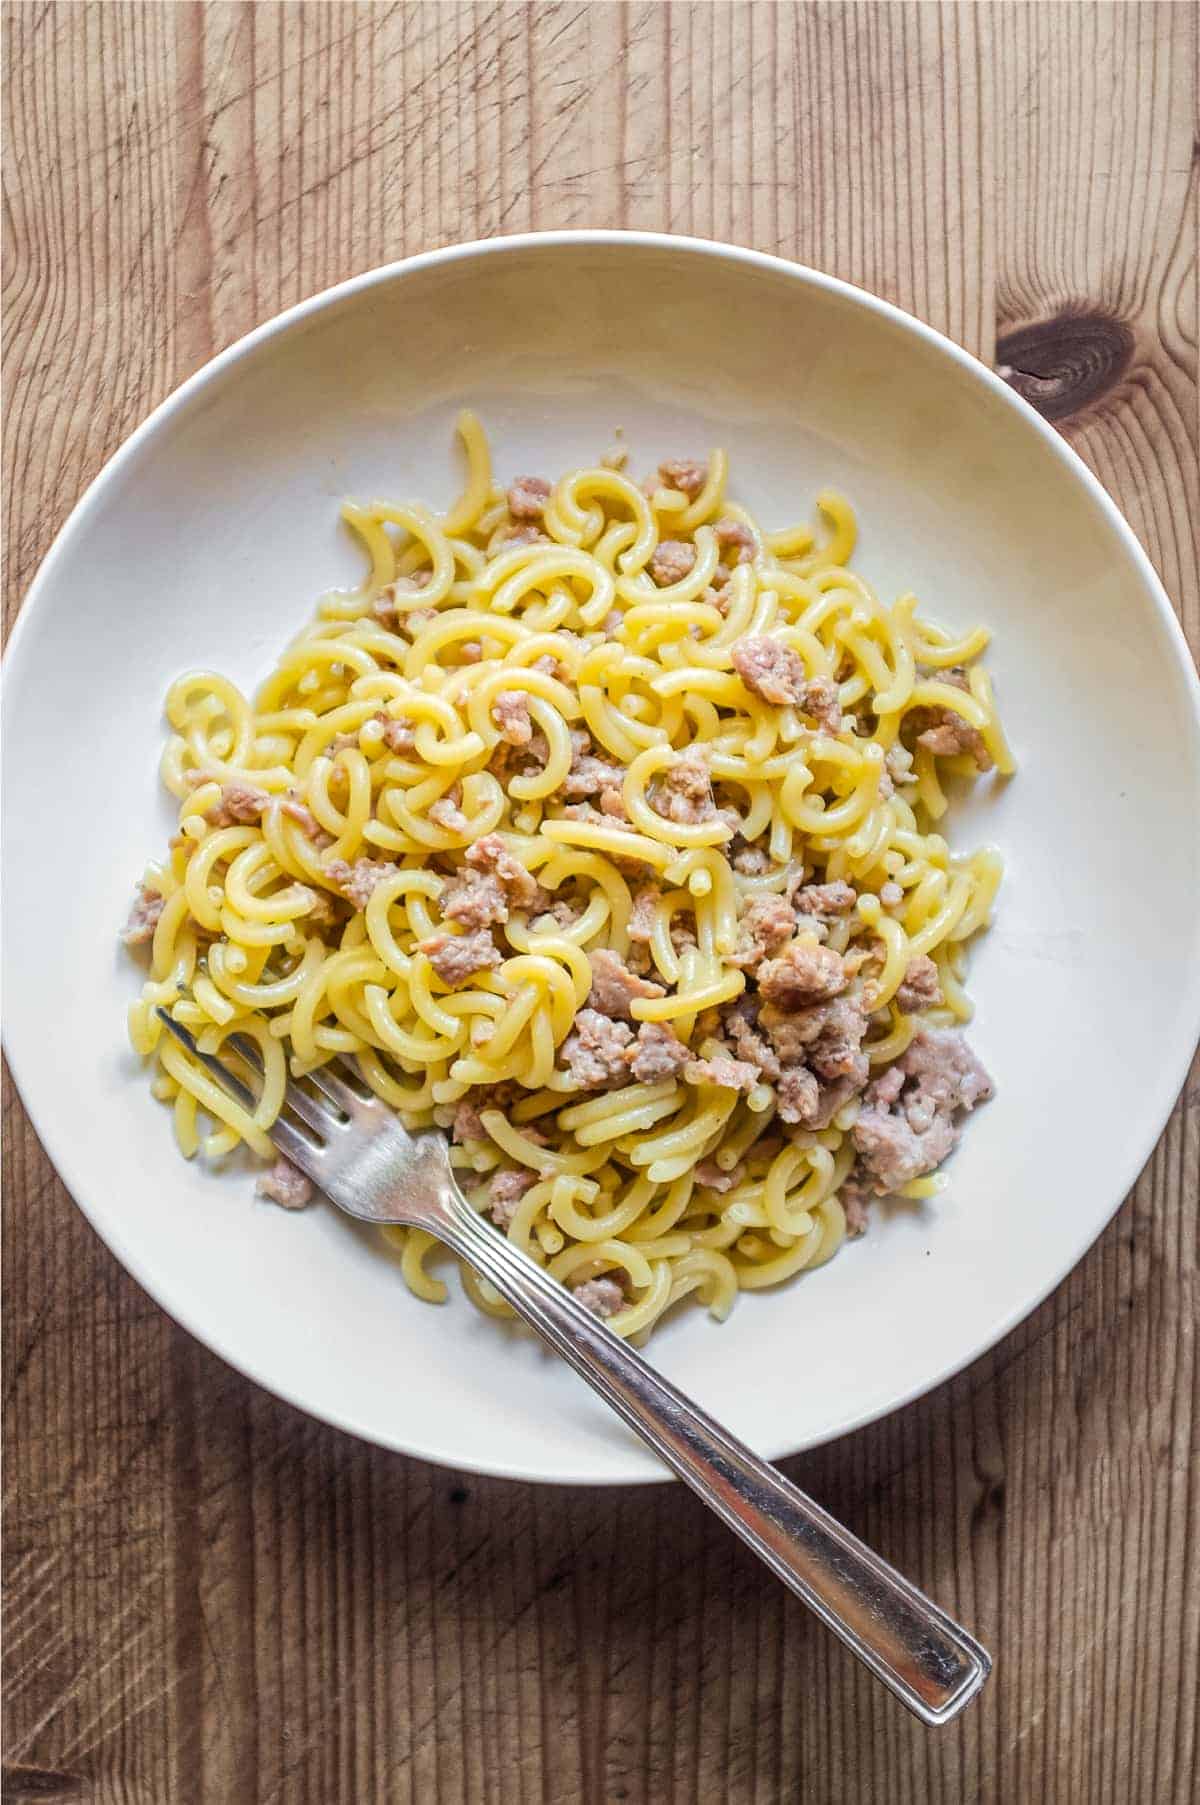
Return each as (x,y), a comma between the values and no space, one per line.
(525,535)
(602,1296)
(804,972)
(562,912)
(527,498)
(510,711)
(728,1074)
(286,1185)
(589,775)
(740,1021)
(944,732)
(357,882)
(446,813)
(797,1095)
(614,986)
(475,899)
(854,1197)
(684,793)
(491,854)
(657,1053)
(239,802)
(304,818)
(458,956)
(826,900)
(671,562)
(683,934)
(906,1126)
(398,735)
(766,924)
(594,1051)
(467,1124)
(384,606)
(508,760)
(898,763)
(612,804)
(610,626)
(828,1036)
(714,1178)
(803,1098)
(731,533)
(505,1193)
(684,474)
(921,988)
(143,917)
(820,700)
(751,861)
(641,920)
(770,669)
(951,735)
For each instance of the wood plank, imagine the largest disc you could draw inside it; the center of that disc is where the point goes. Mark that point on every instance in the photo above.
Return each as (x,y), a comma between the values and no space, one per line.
(210,1597)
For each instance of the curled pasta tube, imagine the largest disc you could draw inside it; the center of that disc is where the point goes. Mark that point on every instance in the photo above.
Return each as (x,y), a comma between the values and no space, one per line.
(471,503)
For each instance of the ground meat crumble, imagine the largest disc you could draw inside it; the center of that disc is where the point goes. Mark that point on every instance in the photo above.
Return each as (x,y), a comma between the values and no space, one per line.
(684,474)
(728,1074)
(455,957)
(527,498)
(492,881)
(805,972)
(445,812)
(143,917)
(684,792)
(590,775)
(510,711)
(773,671)
(672,561)
(594,1051)
(602,1296)
(467,1124)
(921,988)
(825,900)
(943,731)
(731,535)
(240,803)
(357,882)
(907,1124)
(285,1185)
(765,925)
(715,1178)
(505,1193)
(657,1053)
(615,987)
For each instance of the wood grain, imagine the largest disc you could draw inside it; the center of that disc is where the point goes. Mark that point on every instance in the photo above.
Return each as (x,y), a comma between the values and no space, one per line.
(211,1598)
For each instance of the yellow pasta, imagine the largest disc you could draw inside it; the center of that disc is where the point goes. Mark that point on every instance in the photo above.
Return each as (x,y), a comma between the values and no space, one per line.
(598,824)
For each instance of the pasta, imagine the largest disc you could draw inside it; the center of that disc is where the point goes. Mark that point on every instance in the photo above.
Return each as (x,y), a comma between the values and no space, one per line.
(601,826)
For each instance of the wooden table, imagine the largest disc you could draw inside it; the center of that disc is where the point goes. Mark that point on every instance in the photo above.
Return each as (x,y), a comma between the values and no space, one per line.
(213,1600)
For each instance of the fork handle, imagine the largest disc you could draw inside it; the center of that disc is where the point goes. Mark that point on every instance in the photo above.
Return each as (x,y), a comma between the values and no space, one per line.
(930,1663)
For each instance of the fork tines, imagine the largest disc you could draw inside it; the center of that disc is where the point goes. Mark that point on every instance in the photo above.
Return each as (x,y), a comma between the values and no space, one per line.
(324,1121)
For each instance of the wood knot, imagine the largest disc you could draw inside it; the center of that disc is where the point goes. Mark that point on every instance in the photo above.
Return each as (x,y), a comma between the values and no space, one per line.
(1063,365)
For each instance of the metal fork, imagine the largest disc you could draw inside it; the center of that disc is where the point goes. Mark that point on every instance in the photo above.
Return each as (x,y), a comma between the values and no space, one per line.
(357,1151)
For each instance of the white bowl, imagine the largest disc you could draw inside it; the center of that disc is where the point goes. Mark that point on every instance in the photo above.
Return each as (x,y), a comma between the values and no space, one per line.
(206,541)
